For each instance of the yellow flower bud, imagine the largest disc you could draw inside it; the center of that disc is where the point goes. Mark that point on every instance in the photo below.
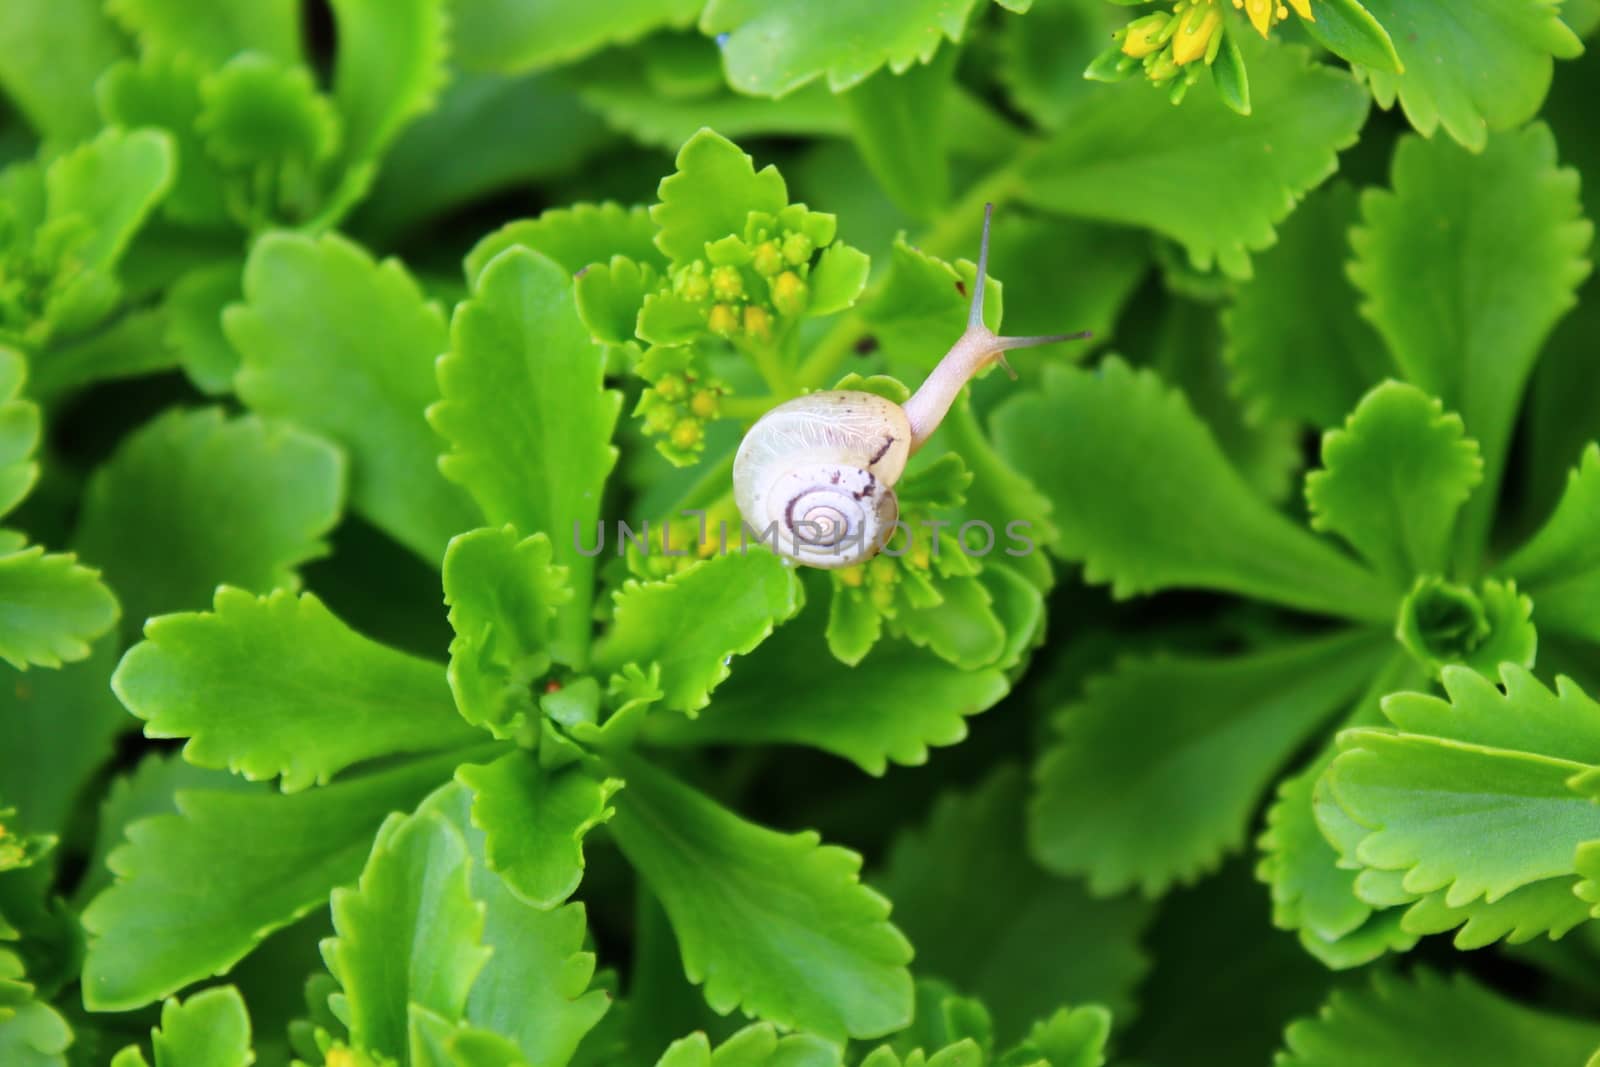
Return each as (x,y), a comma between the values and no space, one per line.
(797,248)
(758,322)
(789,293)
(671,387)
(882,597)
(766,259)
(1145,35)
(726,283)
(852,576)
(722,321)
(704,403)
(1195,31)
(687,434)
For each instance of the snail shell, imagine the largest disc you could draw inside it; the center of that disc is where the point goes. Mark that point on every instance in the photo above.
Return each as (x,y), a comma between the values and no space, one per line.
(819,472)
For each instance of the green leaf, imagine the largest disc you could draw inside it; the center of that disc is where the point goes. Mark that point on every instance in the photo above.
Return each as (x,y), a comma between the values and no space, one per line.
(920,308)
(1297,347)
(1427,1018)
(1120,457)
(278,686)
(193,308)
(977,910)
(891,707)
(503,595)
(838,280)
(19,432)
(574,237)
(409,933)
(194,500)
(257,111)
(693,623)
(1470,70)
(1449,814)
(899,127)
(1393,479)
(163,90)
(1458,225)
(113,181)
(528,418)
(1070,1037)
(51,52)
(1442,623)
(35,1036)
(209,1029)
(535,987)
(710,195)
(1348,30)
(776,924)
(1560,565)
(510,37)
(772,47)
(757,1045)
(390,67)
(51,608)
(534,819)
(57,729)
(1213,180)
(1195,740)
(196,891)
(215,33)
(323,322)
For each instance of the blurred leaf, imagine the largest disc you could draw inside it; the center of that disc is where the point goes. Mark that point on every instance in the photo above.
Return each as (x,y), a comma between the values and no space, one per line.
(194,500)
(695,622)
(978,910)
(1198,740)
(163,90)
(1428,1018)
(528,419)
(1119,456)
(215,33)
(323,322)
(771,47)
(1470,70)
(278,687)
(51,52)
(1211,179)
(390,68)
(511,37)
(197,891)
(1297,347)
(741,897)
(1560,566)
(899,127)
(1457,226)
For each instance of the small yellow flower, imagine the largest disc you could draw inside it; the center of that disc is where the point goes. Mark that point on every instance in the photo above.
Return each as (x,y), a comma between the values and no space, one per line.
(766,259)
(687,434)
(1195,30)
(726,283)
(789,293)
(1146,35)
(722,321)
(1264,14)
(758,322)
(704,402)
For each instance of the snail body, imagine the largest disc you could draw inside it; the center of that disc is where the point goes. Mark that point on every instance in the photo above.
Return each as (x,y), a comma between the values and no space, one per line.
(815,476)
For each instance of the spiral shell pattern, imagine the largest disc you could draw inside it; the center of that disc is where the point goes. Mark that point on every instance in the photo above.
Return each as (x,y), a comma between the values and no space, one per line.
(815,477)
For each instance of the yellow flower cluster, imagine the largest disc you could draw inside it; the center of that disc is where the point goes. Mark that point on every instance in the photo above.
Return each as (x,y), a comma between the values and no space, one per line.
(677,408)
(1167,42)
(740,297)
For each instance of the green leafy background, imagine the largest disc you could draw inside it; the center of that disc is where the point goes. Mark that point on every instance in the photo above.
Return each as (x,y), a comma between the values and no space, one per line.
(379,690)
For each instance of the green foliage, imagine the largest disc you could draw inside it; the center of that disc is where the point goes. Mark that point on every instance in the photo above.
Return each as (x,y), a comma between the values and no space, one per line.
(420,700)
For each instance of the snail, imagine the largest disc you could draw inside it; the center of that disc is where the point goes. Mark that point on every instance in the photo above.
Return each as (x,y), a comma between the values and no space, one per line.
(815,476)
